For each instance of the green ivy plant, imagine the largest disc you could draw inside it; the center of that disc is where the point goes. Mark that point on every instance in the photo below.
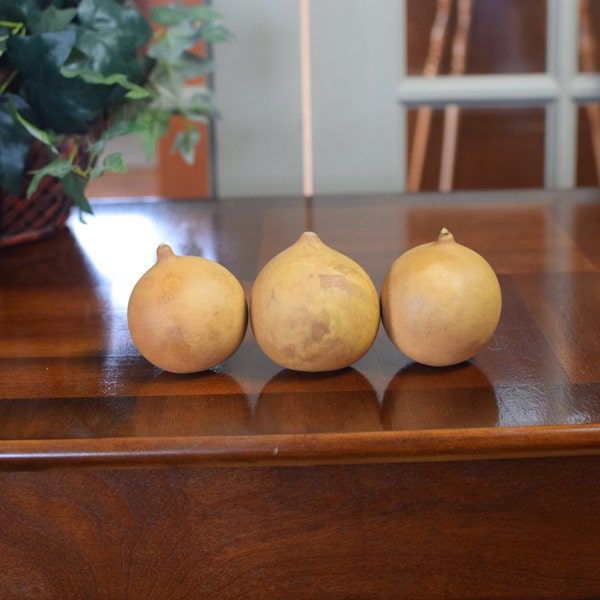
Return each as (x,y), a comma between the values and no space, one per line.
(83,72)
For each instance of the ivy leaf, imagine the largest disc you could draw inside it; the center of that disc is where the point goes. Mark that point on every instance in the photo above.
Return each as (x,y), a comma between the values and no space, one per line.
(52,19)
(80,56)
(110,36)
(172,75)
(73,185)
(176,13)
(199,107)
(175,41)
(113,162)
(18,11)
(106,16)
(185,143)
(215,33)
(121,128)
(35,132)
(64,105)
(154,123)
(15,142)
(117,129)
(32,54)
(135,92)
(58,168)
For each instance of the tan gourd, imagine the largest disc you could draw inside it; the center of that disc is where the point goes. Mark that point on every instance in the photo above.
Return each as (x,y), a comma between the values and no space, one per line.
(187,313)
(440,302)
(313,308)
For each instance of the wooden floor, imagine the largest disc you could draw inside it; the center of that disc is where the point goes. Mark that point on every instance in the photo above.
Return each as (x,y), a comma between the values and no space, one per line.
(133,183)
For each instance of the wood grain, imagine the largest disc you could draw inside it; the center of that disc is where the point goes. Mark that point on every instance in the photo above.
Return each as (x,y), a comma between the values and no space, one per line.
(387,479)
(495,529)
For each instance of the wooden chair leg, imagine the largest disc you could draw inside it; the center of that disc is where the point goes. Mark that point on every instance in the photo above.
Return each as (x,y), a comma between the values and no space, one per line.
(452,111)
(431,69)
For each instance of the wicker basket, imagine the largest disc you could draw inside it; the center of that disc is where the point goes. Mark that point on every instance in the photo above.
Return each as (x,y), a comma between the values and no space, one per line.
(25,219)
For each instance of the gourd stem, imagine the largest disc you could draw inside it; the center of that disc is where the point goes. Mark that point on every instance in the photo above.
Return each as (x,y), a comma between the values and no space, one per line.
(445,235)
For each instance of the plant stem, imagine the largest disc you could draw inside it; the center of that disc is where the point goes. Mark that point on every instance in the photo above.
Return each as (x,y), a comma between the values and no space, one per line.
(7,82)
(16,27)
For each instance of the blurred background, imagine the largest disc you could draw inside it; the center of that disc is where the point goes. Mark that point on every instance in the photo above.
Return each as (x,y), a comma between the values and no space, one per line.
(406,95)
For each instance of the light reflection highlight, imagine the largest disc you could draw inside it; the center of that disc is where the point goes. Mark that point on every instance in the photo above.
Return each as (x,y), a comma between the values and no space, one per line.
(121,248)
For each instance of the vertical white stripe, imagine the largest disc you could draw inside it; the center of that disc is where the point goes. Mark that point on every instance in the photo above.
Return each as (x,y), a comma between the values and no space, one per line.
(402,121)
(561,114)
(306,101)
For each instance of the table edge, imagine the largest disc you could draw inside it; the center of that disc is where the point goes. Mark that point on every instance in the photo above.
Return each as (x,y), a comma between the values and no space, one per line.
(487,443)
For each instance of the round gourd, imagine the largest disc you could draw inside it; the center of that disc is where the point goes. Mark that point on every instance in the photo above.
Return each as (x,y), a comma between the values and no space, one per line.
(440,302)
(313,308)
(187,313)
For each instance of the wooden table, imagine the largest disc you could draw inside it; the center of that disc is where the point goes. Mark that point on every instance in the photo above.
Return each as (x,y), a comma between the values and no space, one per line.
(384,480)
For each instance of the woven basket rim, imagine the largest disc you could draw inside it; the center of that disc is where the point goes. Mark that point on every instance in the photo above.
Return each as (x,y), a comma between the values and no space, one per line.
(24,219)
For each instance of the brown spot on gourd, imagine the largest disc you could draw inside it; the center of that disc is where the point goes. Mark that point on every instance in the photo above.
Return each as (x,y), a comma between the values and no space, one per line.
(345,269)
(290,351)
(170,286)
(318,330)
(328,281)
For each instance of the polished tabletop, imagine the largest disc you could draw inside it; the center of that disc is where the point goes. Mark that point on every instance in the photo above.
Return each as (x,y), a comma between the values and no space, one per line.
(75,392)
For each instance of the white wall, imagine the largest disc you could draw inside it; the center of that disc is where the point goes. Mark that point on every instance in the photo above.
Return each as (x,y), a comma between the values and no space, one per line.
(355,115)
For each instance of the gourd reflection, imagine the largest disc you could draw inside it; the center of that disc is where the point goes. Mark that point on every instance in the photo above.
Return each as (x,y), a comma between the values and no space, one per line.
(340,401)
(421,397)
(208,403)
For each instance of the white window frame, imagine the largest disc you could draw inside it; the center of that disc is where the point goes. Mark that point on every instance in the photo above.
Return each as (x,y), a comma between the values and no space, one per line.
(559,90)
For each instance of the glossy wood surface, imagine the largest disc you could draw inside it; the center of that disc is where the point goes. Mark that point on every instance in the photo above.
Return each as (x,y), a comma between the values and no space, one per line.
(385,480)
(75,390)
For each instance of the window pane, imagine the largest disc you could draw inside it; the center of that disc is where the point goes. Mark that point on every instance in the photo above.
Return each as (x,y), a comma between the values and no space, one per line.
(504,36)
(588,146)
(495,148)
(589,55)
